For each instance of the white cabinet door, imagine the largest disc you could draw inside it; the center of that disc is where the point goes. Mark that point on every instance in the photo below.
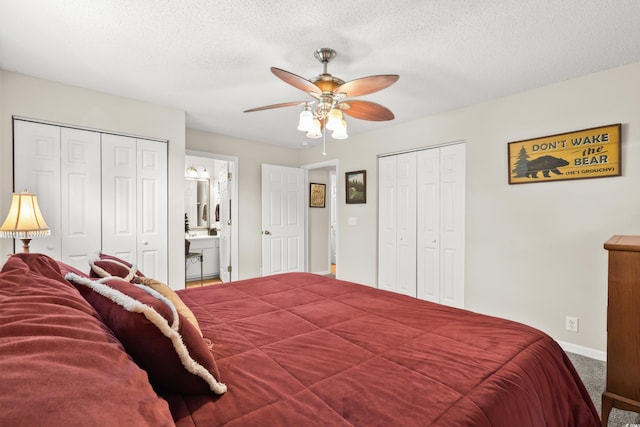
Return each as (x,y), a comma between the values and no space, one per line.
(119,228)
(36,151)
(282,219)
(209,246)
(152,238)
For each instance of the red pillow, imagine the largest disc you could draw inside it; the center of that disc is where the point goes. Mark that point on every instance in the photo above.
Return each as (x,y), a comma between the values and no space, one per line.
(156,336)
(105,265)
(66,268)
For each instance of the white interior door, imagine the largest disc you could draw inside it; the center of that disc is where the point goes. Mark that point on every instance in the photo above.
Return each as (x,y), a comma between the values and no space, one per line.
(225,218)
(334,218)
(282,219)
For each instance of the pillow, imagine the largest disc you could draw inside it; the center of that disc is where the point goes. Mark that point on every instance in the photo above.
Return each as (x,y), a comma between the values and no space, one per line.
(104,265)
(156,336)
(172,296)
(66,268)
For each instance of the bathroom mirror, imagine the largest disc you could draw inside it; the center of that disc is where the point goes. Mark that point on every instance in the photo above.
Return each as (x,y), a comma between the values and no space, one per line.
(196,202)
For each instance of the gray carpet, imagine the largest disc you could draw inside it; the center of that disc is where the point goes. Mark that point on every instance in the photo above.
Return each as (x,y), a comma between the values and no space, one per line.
(592,372)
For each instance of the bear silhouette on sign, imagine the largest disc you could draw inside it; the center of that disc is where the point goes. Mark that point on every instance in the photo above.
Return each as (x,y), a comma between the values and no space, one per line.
(545,164)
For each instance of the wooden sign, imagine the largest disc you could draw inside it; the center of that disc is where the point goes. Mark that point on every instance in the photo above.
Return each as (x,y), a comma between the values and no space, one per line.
(588,153)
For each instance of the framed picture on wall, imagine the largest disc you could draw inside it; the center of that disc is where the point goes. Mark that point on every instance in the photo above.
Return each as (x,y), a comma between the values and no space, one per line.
(316,195)
(356,187)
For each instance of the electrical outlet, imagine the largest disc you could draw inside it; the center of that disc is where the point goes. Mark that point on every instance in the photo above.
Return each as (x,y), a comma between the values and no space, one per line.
(571,323)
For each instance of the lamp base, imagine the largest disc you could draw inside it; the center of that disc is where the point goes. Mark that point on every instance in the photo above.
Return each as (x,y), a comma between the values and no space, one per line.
(25,245)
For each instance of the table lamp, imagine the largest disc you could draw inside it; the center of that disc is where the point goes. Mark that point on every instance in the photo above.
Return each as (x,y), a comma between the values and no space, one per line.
(24,220)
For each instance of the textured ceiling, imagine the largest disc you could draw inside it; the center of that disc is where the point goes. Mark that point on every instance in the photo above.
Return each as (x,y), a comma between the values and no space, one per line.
(212,58)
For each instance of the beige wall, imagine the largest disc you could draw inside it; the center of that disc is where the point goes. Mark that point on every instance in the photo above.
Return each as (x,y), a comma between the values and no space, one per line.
(250,156)
(318,223)
(45,100)
(534,253)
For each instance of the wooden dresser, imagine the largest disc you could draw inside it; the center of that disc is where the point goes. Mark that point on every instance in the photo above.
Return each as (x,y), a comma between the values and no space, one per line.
(622,389)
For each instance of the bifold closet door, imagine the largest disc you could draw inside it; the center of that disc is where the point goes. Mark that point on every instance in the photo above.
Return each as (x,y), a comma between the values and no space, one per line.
(397,223)
(151,208)
(62,166)
(119,177)
(134,209)
(36,154)
(440,224)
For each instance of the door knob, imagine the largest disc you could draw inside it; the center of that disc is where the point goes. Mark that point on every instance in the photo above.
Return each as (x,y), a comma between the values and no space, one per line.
(266,232)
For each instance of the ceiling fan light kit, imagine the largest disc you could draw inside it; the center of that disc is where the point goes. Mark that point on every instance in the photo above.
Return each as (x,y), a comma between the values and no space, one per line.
(332,99)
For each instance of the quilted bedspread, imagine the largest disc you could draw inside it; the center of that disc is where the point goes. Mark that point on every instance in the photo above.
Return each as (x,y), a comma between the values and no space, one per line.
(305,350)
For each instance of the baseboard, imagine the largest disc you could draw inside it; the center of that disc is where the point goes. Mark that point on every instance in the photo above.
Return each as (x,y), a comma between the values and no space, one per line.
(323,273)
(584,351)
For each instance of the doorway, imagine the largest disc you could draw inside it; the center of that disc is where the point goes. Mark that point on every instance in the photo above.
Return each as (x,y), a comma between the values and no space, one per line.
(322,223)
(223,221)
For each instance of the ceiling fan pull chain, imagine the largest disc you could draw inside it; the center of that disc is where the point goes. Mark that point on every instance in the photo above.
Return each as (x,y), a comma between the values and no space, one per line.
(324,143)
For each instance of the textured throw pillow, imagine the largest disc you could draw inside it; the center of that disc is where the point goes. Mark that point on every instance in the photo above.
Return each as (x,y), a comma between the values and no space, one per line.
(103,265)
(156,336)
(172,296)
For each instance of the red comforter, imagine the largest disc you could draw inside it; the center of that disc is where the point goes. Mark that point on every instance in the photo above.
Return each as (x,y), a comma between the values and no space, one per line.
(302,350)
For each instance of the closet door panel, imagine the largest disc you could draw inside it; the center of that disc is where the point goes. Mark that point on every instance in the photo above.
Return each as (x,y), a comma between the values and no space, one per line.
(428,225)
(152,208)
(406,225)
(37,170)
(119,197)
(452,230)
(387,200)
(80,196)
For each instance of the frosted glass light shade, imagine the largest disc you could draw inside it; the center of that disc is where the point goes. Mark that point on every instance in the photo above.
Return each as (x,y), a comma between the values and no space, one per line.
(334,119)
(341,131)
(315,131)
(306,121)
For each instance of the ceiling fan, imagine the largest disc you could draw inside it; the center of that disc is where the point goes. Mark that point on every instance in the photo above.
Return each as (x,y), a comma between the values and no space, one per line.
(332,98)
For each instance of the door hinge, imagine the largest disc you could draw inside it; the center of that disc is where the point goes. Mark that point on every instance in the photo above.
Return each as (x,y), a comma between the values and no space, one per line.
(229,269)
(229,175)
(228,222)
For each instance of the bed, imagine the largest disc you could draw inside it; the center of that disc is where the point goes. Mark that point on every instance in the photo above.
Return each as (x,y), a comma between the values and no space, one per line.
(302,349)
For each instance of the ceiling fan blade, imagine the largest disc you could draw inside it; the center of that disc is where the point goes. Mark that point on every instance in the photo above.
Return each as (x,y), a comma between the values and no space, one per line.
(367,85)
(269,107)
(295,80)
(366,110)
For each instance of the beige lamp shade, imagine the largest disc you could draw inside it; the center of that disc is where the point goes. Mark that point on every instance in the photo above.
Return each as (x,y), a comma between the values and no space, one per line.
(24,220)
